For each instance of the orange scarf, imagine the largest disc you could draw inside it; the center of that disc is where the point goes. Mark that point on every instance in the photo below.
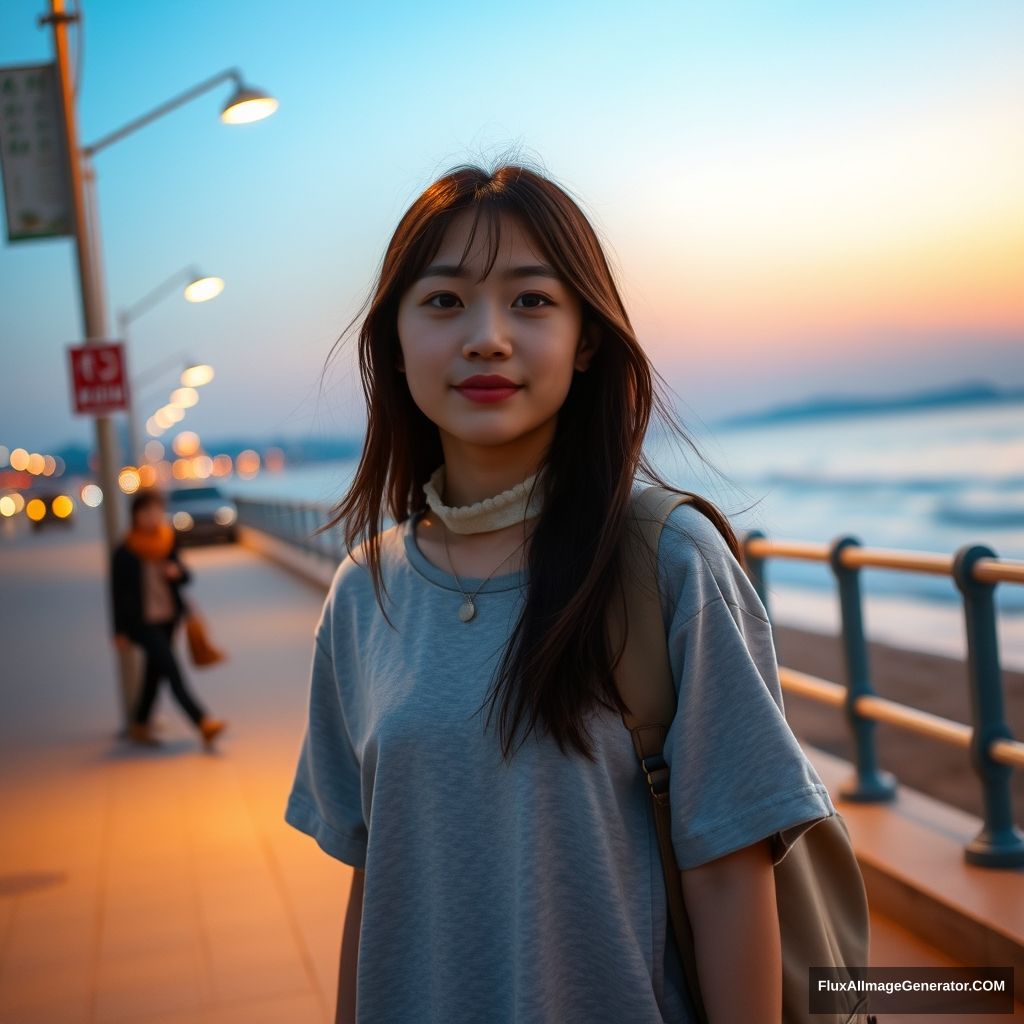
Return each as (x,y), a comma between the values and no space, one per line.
(155,544)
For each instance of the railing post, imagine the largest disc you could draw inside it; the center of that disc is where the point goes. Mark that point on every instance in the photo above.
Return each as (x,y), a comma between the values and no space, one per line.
(870,784)
(755,567)
(999,843)
(308,526)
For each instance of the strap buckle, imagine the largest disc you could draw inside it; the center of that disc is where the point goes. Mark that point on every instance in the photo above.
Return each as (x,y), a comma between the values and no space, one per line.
(656,772)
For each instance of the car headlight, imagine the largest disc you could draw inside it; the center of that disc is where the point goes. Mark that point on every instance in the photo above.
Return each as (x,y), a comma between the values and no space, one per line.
(225,515)
(182,520)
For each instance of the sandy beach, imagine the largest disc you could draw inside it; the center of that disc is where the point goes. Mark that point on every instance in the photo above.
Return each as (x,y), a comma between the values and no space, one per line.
(930,682)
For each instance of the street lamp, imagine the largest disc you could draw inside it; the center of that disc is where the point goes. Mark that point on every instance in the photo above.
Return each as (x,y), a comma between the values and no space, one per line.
(200,288)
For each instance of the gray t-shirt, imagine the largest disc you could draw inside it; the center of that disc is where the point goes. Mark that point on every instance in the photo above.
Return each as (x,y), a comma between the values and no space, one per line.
(532,892)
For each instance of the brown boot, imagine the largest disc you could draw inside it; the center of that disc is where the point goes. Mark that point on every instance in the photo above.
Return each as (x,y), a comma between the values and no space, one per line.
(140,732)
(210,728)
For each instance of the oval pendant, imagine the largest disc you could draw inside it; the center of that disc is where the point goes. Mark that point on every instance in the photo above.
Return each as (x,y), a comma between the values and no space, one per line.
(467,611)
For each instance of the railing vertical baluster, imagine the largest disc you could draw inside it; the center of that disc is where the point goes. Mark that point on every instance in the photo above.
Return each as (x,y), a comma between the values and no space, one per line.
(870,784)
(999,843)
(309,521)
(755,567)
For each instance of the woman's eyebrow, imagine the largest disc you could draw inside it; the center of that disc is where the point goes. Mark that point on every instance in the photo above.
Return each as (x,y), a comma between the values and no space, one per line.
(529,270)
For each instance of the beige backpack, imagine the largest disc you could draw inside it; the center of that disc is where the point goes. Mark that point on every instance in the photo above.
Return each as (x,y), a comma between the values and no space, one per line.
(822,904)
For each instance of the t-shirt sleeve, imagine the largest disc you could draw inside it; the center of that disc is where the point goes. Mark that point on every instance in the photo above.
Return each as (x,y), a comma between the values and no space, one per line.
(325,801)
(737,774)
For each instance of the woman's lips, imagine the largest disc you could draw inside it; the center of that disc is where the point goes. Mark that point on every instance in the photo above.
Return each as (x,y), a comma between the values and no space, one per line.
(487,394)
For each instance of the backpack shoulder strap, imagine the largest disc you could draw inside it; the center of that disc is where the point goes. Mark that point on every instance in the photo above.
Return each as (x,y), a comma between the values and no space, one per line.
(643,678)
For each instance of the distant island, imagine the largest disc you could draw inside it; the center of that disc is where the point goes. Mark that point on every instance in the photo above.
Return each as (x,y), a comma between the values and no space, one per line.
(971,392)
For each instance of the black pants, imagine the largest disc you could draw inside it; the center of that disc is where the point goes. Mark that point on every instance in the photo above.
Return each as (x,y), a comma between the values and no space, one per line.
(155,639)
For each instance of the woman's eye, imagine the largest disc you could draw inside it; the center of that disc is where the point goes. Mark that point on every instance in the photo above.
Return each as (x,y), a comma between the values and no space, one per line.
(442,295)
(432,301)
(534,295)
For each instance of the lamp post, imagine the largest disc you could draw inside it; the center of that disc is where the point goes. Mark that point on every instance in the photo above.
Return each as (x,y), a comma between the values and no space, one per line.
(200,288)
(245,104)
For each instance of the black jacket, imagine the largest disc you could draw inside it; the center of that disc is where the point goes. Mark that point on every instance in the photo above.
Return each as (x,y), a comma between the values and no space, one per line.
(126,587)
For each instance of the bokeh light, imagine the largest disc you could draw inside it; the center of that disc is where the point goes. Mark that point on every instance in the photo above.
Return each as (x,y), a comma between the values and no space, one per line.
(248,463)
(154,451)
(273,460)
(92,495)
(186,443)
(128,479)
(184,398)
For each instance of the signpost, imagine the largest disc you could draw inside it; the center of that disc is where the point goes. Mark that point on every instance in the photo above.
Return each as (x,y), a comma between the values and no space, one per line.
(33,158)
(99,378)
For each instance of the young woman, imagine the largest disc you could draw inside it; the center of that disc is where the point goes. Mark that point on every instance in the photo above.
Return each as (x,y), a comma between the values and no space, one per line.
(147,576)
(508,400)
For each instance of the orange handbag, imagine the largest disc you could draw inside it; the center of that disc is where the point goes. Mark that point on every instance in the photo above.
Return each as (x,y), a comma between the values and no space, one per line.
(200,648)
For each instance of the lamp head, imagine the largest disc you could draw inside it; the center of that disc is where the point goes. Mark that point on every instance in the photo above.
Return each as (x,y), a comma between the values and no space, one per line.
(196,375)
(248,104)
(202,288)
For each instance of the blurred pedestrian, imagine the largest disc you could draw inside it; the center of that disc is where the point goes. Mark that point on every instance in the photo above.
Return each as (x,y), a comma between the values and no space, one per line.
(147,575)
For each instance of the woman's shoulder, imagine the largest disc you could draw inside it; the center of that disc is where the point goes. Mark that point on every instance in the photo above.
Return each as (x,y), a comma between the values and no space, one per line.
(352,581)
(697,566)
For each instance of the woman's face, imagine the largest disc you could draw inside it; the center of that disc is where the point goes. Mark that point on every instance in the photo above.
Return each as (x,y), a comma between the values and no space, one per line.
(520,323)
(150,516)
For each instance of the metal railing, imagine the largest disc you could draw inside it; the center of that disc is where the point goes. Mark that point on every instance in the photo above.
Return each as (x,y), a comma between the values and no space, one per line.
(293,522)
(975,569)
(994,753)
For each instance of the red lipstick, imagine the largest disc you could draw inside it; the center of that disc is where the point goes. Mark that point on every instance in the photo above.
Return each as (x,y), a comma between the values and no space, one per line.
(487,387)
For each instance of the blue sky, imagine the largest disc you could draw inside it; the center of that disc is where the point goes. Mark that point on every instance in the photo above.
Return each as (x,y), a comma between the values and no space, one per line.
(796,197)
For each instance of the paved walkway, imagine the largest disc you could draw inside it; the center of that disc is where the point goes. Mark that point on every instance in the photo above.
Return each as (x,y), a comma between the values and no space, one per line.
(163,887)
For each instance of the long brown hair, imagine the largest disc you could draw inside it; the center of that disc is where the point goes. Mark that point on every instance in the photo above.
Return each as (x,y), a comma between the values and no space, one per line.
(557,664)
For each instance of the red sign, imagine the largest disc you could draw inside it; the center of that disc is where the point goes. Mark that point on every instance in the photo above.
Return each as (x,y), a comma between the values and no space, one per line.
(99,380)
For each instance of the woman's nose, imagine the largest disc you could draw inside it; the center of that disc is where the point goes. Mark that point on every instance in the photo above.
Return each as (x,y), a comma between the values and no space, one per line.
(489,333)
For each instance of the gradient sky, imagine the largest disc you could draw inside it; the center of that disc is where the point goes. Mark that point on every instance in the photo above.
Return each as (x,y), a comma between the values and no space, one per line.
(796,197)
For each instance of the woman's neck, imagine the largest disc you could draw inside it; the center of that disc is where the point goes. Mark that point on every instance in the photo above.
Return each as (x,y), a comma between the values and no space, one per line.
(478,472)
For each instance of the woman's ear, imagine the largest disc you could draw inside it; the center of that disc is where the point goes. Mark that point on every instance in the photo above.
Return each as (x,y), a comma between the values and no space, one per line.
(590,342)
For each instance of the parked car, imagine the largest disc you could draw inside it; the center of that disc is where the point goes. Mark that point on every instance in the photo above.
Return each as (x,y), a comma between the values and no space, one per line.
(48,507)
(202,513)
